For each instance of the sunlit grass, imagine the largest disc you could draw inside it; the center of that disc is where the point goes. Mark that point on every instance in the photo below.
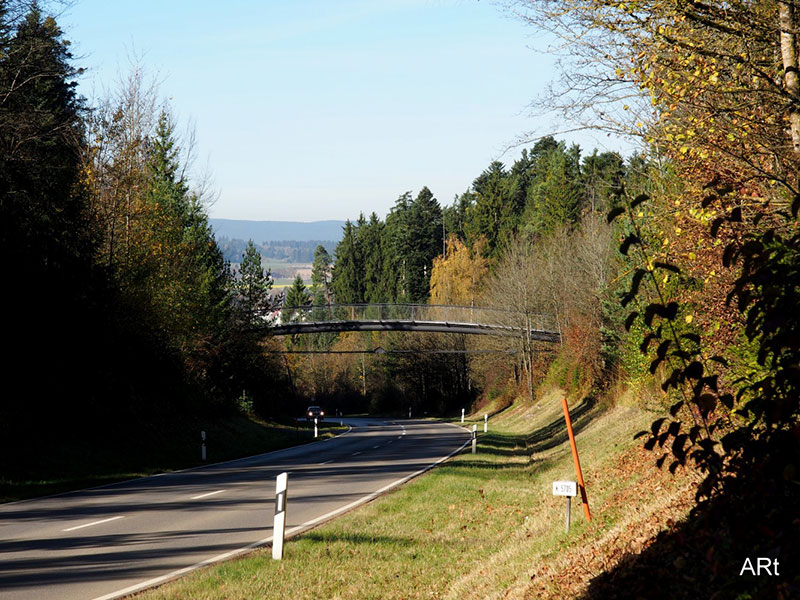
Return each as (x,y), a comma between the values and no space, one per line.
(472,528)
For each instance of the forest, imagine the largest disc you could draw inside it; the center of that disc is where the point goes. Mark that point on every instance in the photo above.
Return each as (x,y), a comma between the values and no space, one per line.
(539,225)
(674,272)
(123,313)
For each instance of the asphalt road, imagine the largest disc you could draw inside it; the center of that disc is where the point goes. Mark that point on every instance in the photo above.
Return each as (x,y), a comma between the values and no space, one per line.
(110,541)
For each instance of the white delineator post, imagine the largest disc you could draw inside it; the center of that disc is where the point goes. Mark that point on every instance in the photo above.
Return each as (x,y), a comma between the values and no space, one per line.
(474,439)
(203,445)
(279,523)
(485,423)
(462,415)
(315,427)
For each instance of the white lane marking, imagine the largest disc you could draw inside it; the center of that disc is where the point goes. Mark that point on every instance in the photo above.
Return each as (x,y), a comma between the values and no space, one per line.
(327,462)
(94,523)
(355,453)
(376,447)
(244,462)
(207,495)
(399,437)
(220,557)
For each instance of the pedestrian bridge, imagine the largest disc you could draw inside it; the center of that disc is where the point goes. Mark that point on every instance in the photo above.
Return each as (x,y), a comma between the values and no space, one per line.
(413,317)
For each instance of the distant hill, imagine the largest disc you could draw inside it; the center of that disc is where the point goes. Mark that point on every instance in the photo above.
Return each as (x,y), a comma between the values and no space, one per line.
(271,231)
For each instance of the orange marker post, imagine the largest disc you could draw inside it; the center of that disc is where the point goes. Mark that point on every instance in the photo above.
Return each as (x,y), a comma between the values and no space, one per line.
(576,459)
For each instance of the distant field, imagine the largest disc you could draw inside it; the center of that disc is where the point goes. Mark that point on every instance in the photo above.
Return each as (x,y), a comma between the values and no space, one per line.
(283,273)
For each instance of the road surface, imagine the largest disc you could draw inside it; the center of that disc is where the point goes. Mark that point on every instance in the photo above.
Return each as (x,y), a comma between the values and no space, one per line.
(106,542)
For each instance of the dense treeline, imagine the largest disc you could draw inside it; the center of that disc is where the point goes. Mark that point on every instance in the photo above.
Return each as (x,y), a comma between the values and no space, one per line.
(530,238)
(122,310)
(549,187)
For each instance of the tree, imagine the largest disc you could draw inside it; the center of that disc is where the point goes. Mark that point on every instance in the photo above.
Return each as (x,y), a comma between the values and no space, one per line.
(492,215)
(395,244)
(253,285)
(186,273)
(46,233)
(321,274)
(423,245)
(711,85)
(715,92)
(44,216)
(296,297)
(555,192)
(458,277)
(167,183)
(603,175)
(347,279)
(369,241)
(455,216)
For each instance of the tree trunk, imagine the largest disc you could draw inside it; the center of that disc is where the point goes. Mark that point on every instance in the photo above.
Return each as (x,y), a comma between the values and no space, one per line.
(791,77)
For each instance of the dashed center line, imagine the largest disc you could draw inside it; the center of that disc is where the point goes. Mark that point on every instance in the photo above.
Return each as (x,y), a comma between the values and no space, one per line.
(327,462)
(355,453)
(376,447)
(207,495)
(94,523)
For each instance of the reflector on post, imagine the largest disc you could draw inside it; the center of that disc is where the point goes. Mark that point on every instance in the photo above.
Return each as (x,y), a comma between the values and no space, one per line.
(279,523)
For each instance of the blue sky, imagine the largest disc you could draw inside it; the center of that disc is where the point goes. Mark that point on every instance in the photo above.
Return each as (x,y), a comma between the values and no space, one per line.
(321,109)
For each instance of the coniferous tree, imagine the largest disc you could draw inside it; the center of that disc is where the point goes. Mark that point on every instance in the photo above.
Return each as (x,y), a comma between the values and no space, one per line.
(44,217)
(5,29)
(493,213)
(347,280)
(297,297)
(253,285)
(395,244)
(321,275)
(321,296)
(369,239)
(167,184)
(186,275)
(53,321)
(425,243)
(602,175)
(456,215)
(556,191)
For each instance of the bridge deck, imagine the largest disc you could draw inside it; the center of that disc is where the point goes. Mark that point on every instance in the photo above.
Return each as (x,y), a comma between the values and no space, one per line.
(473,320)
(405,325)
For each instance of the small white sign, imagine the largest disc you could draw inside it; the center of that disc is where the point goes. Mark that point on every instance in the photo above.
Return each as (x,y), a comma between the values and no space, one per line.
(565,488)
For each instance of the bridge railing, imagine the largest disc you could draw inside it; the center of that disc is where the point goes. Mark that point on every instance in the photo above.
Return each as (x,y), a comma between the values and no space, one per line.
(474,315)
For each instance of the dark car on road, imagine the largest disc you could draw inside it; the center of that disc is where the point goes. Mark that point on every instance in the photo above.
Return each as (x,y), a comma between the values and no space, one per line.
(315,412)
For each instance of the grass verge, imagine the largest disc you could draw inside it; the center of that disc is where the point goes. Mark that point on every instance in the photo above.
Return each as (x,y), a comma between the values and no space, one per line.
(480,526)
